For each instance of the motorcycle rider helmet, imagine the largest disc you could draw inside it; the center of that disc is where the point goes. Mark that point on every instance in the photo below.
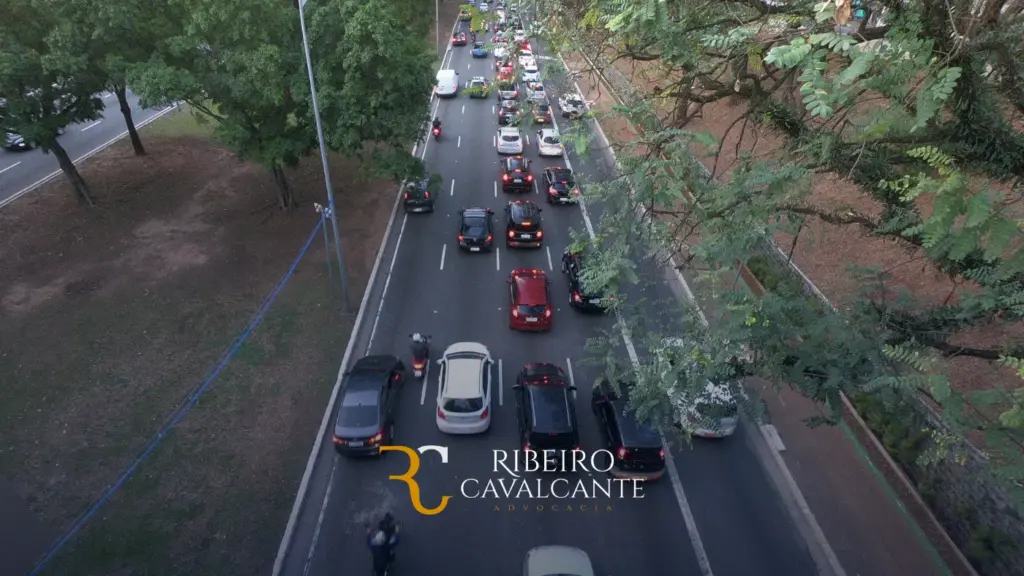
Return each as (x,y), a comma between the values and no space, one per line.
(417,337)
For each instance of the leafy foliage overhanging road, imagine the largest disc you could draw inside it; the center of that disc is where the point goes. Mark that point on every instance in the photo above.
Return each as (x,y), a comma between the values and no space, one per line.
(237,64)
(950,77)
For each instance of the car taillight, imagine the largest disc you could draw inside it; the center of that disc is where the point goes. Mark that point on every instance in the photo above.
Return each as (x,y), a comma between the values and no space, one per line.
(426,194)
(377,437)
(489,237)
(622,453)
(504,177)
(515,313)
(406,195)
(511,233)
(575,296)
(540,234)
(338,440)
(661,453)
(440,414)
(418,365)
(529,177)
(547,312)
(576,191)
(527,447)
(460,237)
(485,413)
(551,190)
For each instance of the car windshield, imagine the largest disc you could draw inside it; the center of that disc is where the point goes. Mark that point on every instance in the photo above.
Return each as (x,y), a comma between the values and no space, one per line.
(463,405)
(636,432)
(531,310)
(510,137)
(551,140)
(478,83)
(359,408)
(717,409)
(474,226)
(478,45)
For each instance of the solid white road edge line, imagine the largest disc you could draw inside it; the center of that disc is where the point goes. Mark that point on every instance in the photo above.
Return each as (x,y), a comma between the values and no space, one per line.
(424,383)
(9,167)
(501,385)
(90,126)
(85,156)
(444,250)
(387,282)
(304,483)
(572,378)
(320,520)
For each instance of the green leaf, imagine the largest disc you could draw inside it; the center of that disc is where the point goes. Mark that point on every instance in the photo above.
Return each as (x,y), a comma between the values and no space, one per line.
(979,208)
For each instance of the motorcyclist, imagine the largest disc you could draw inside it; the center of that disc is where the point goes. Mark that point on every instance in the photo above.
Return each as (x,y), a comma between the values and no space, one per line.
(437,122)
(381,543)
(419,346)
(474,35)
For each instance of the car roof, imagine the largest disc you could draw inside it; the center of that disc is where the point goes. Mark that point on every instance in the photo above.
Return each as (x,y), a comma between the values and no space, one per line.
(548,132)
(515,162)
(464,377)
(545,560)
(523,208)
(475,212)
(551,406)
(532,284)
(633,432)
(467,347)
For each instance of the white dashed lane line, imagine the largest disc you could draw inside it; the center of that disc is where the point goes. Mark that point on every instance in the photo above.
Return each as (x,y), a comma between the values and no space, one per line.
(93,125)
(452,191)
(9,167)
(444,250)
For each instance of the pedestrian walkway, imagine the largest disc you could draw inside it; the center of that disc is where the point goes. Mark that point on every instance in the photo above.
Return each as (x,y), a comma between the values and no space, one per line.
(863,520)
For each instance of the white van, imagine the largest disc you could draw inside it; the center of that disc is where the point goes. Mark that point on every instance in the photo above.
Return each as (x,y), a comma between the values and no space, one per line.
(447,83)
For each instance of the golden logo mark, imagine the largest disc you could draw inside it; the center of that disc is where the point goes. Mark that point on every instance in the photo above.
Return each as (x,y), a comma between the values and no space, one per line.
(409,477)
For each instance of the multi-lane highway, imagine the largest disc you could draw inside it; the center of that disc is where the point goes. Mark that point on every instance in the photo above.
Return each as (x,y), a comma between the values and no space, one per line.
(22,170)
(717,512)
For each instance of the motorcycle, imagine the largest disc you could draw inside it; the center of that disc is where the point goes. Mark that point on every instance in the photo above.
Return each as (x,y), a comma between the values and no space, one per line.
(437,133)
(393,528)
(420,356)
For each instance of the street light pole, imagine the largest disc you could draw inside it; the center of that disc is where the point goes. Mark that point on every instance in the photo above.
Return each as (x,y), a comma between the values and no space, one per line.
(437,25)
(332,207)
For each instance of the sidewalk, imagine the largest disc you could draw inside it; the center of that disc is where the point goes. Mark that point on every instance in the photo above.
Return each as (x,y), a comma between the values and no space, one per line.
(863,519)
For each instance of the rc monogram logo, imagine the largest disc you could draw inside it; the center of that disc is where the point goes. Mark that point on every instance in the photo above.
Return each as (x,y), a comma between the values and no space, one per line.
(410,476)
(505,480)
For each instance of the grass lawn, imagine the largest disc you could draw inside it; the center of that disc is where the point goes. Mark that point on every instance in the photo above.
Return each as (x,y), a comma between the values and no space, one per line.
(110,317)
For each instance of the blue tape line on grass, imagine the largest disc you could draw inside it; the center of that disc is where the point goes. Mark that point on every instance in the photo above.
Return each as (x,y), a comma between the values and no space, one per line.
(183,409)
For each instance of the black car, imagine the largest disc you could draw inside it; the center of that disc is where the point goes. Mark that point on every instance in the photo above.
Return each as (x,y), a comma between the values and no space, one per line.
(580,297)
(366,417)
(515,175)
(476,229)
(523,225)
(545,410)
(560,184)
(636,448)
(508,113)
(418,196)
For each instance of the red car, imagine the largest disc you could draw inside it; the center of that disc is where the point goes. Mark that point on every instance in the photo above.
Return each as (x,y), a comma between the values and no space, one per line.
(505,73)
(459,39)
(529,300)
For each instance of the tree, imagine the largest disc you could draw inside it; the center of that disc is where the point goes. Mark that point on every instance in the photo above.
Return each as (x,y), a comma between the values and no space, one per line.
(952,76)
(126,33)
(46,81)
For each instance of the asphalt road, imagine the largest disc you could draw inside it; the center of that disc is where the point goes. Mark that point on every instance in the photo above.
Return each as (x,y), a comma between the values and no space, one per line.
(20,170)
(741,523)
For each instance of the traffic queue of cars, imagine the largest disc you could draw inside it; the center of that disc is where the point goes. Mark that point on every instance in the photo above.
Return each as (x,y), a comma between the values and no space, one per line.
(544,394)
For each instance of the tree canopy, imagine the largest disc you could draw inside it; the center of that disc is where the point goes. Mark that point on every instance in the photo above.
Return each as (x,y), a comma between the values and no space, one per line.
(916,103)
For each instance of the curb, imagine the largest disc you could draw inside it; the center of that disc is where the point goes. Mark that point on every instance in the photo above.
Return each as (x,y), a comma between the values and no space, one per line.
(917,507)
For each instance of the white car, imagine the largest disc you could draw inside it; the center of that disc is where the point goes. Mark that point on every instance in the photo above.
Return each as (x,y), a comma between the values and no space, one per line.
(510,141)
(464,389)
(572,105)
(484,7)
(549,143)
(712,413)
(500,52)
(519,36)
(560,560)
(526,56)
(535,92)
(531,73)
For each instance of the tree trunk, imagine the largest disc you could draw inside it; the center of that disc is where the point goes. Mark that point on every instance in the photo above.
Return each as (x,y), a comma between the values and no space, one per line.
(82,192)
(285,197)
(126,111)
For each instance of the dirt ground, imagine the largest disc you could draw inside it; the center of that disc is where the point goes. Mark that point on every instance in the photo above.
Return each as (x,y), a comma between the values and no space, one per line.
(110,317)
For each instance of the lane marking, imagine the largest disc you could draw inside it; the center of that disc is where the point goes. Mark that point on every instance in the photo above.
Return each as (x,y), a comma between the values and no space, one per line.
(425,383)
(495,188)
(497,258)
(444,250)
(320,519)
(426,132)
(9,167)
(463,108)
(459,143)
(107,95)
(492,110)
(90,126)
(469,66)
(501,385)
(551,265)
(536,189)
(568,365)
(85,156)
(452,192)
(300,497)
(387,282)
(527,139)
(772,435)
(494,141)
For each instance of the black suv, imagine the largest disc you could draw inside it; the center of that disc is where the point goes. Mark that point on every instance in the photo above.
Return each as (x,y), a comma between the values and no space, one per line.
(523,225)
(545,410)
(476,229)
(636,448)
(418,196)
(366,417)
(515,175)
(561,185)
(579,297)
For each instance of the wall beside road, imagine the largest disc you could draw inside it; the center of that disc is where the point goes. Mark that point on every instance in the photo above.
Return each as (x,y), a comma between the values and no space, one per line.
(975,511)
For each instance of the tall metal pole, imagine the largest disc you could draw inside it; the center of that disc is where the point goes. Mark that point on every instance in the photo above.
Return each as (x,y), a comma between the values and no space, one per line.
(437,25)
(323,156)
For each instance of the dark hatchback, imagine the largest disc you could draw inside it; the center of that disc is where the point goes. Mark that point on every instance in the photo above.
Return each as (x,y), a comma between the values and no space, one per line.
(580,297)
(523,225)
(545,409)
(418,197)
(561,185)
(515,175)
(366,417)
(476,229)
(508,113)
(636,448)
